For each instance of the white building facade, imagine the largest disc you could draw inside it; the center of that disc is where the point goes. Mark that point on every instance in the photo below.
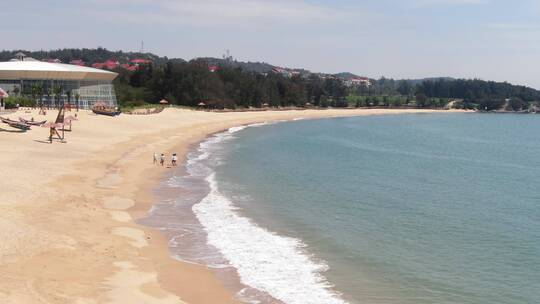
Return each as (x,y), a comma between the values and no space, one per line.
(52,83)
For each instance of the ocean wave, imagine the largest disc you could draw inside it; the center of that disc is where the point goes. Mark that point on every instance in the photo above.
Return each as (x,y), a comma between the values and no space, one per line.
(275,264)
(236,129)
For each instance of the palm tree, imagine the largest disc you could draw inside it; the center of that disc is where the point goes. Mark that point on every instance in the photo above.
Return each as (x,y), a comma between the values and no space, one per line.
(39,91)
(33,92)
(57,91)
(49,93)
(77,96)
(69,93)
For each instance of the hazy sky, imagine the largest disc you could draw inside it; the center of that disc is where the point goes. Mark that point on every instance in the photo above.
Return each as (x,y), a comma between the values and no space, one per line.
(488,39)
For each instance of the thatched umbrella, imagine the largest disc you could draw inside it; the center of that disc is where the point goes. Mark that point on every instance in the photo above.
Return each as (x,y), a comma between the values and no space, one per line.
(68,121)
(100,105)
(3,95)
(54,130)
(50,124)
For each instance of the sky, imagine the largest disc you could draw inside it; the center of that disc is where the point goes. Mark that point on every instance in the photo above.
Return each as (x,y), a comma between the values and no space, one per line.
(487,39)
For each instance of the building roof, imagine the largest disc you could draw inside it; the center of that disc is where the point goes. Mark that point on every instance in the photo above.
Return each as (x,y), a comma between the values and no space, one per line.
(143,61)
(47,70)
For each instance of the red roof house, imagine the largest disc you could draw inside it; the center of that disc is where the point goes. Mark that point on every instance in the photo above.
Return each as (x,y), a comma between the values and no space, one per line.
(78,62)
(109,64)
(141,61)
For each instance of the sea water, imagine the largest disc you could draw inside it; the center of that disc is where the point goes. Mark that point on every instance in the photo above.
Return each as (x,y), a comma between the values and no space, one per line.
(426,208)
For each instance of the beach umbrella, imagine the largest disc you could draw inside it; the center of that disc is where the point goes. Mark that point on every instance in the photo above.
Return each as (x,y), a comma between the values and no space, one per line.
(50,124)
(163,101)
(100,104)
(3,93)
(201,104)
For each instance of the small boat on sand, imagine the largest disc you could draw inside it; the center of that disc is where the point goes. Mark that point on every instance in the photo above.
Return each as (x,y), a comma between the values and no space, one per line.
(111,112)
(32,122)
(102,108)
(15,124)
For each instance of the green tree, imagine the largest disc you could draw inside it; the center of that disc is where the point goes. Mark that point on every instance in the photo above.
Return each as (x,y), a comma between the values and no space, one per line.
(405,88)
(57,91)
(421,100)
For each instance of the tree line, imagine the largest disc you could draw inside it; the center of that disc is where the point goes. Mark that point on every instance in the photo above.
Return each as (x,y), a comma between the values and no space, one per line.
(190,83)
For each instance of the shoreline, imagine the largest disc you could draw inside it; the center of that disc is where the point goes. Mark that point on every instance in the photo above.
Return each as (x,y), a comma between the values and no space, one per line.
(76,239)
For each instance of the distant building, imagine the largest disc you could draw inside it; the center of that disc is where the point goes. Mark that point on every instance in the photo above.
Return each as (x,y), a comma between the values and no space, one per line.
(358,81)
(109,64)
(140,61)
(285,72)
(92,85)
(129,67)
(52,60)
(78,62)
(326,76)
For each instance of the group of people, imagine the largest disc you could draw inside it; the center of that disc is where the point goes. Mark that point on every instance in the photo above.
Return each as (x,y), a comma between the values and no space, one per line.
(161,159)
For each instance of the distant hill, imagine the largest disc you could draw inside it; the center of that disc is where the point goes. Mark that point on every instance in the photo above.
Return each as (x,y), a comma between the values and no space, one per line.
(346,76)
(257,67)
(89,56)
(381,86)
(415,82)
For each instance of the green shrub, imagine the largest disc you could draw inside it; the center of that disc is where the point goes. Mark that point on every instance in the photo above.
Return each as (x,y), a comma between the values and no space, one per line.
(12,102)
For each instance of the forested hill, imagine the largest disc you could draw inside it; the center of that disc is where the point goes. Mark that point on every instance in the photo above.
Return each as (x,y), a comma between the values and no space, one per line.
(229,83)
(256,67)
(89,56)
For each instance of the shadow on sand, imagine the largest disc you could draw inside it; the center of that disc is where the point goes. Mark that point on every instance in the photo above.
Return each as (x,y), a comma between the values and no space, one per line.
(12,131)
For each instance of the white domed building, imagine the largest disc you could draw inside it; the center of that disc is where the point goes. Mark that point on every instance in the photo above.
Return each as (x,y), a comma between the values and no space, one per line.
(31,77)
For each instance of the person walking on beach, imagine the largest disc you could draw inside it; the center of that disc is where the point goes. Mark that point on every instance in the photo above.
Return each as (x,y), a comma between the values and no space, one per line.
(174,159)
(155,158)
(162,159)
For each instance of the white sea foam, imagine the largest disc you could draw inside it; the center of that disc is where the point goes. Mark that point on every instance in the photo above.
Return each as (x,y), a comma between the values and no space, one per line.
(264,260)
(236,129)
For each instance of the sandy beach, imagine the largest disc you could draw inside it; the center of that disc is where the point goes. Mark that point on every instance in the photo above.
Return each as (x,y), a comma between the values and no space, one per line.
(68,210)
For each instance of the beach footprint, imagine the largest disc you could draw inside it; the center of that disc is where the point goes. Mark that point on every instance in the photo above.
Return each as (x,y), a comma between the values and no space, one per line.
(111,179)
(137,236)
(117,203)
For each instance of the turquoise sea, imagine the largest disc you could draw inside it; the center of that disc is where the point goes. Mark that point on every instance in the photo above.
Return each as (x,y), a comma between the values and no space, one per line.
(427,208)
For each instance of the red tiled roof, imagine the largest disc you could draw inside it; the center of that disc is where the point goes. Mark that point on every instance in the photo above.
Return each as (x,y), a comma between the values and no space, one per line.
(77,62)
